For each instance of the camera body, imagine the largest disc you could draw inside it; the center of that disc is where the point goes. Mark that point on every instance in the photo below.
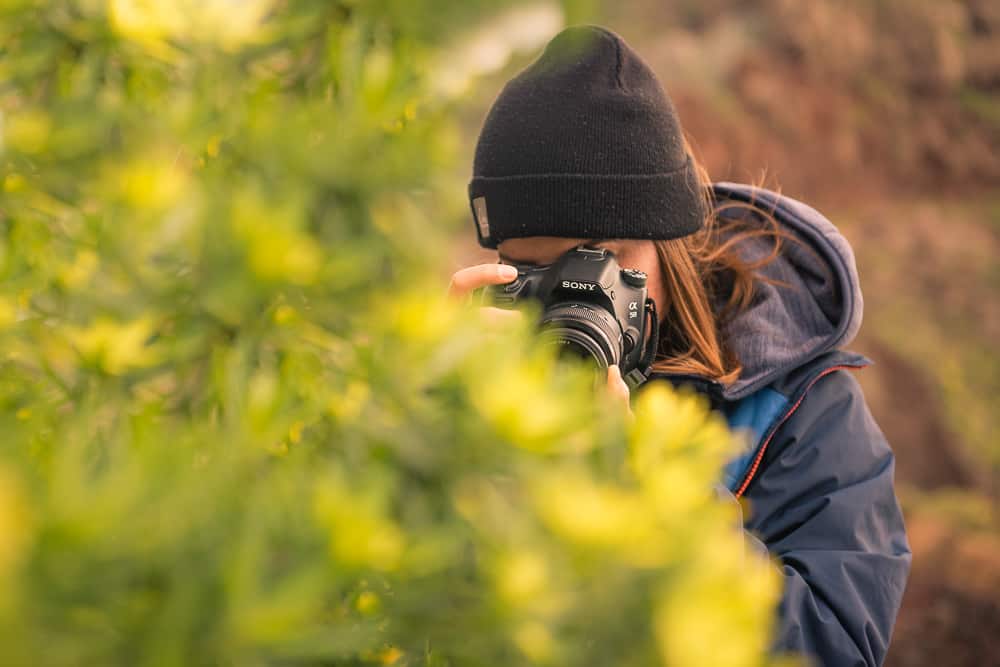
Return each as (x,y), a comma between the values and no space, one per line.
(591,307)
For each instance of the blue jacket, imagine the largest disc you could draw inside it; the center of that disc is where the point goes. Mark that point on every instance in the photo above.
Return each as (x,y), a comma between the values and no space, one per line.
(817,473)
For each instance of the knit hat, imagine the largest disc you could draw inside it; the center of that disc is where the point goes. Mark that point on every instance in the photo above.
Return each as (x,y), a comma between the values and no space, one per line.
(584,143)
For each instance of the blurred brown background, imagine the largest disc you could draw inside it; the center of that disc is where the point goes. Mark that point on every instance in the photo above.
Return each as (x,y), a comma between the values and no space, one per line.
(884,115)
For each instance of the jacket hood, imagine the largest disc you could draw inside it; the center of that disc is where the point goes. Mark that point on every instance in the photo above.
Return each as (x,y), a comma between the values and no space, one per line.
(817,307)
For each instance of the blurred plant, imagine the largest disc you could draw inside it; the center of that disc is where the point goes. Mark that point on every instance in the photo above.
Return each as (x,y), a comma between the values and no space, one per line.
(241,423)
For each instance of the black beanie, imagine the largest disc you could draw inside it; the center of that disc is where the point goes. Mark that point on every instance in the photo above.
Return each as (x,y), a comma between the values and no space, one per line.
(584,143)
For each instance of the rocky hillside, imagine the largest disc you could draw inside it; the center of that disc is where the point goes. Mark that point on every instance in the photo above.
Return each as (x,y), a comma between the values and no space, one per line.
(833,97)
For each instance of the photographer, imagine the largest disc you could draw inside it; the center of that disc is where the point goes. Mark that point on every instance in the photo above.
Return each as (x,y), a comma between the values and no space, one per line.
(752,295)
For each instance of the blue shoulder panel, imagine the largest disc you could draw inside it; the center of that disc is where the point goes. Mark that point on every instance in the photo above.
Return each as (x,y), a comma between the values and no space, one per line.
(754,416)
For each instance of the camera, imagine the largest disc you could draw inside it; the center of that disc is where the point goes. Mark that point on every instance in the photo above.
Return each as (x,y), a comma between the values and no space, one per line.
(591,308)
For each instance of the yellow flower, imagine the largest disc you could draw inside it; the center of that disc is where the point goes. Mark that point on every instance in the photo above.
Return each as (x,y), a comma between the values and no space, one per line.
(152,23)
(295,432)
(521,576)
(360,533)
(367,603)
(348,405)
(82,268)
(15,521)
(8,312)
(212,147)
(533,401)
(284,314)
(593,514)
(284,254)
(721,612)
(114,347)
(390,655)
(420,316)
(152,181)
(27,132)
(672,425)
(13,183)
(276,248)
(535,640)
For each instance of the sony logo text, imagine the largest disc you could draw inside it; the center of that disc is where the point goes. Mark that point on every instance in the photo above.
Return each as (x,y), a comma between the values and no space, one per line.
(572,284)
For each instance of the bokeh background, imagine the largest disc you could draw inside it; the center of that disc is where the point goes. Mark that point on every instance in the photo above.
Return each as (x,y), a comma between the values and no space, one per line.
(886,117)
(216,223)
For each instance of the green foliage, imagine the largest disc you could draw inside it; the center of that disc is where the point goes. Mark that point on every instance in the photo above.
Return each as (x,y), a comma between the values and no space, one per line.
(241,423)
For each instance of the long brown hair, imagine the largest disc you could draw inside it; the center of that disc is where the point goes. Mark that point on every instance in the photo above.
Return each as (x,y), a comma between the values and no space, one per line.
(707,281)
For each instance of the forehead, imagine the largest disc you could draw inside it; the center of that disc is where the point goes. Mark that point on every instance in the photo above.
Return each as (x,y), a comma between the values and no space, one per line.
(546,249)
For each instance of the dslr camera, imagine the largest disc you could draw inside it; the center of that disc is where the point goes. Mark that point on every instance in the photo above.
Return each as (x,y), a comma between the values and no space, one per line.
(591,308)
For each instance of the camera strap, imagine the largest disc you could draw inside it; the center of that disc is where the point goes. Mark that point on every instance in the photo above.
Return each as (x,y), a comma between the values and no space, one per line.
(637,376)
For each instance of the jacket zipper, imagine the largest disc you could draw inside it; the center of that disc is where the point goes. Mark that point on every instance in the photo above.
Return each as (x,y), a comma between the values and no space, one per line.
(784,418)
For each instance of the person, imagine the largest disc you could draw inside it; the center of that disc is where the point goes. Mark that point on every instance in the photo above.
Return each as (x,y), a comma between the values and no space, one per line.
(757,295)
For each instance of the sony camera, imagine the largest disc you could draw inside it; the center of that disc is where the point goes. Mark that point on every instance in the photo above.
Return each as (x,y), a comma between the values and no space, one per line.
(591,308)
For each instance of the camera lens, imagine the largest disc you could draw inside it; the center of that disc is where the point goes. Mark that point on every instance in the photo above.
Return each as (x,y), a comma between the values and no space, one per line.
(583,332)
(573,344)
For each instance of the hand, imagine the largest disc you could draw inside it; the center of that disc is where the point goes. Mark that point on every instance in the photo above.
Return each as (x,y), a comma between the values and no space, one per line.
(619,390)
(464,281)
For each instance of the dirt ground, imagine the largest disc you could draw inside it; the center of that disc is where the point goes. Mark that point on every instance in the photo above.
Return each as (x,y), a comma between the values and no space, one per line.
(951,612)
(931,304)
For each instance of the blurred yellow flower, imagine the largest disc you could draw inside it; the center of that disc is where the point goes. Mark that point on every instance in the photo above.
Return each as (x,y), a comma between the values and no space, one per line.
(521,399)
(390,655)
(78,272)
(151,181)
(672,424)
(27,132)
(720,613)
(212,147)
(221,23)
(8,312)
(521,576)
(283,254)
(15,521)
(421,316)
(262,391)
(276,248)
(677,488)
(348,405)
(284,314)
(595,514)
(367,603)
(360,534)
(13,182)
(115,347)
(535,640)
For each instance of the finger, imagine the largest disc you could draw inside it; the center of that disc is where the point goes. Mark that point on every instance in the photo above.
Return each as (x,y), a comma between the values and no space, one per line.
(616,384)
(493,315)
(620,390)
(465,280)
